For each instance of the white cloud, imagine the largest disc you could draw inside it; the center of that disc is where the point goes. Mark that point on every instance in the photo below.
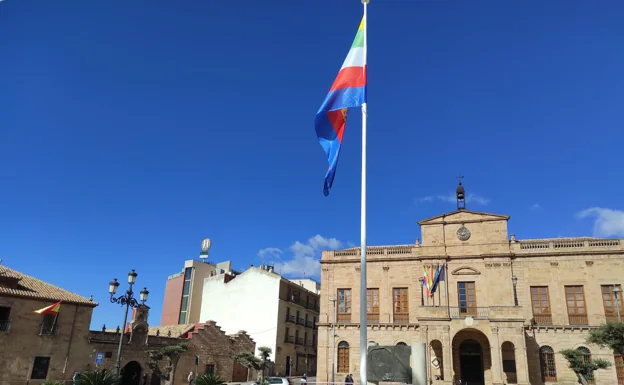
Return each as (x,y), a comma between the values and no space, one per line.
(452,198)
(535,206)
(304,256)
(607,222)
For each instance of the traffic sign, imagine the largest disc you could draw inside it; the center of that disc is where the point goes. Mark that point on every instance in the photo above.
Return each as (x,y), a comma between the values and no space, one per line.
(99,358)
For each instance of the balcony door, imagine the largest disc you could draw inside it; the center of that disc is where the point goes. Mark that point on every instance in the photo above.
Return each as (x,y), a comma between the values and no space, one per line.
(467,298)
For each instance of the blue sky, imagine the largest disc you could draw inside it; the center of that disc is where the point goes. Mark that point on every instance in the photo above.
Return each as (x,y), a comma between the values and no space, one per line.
(130,130)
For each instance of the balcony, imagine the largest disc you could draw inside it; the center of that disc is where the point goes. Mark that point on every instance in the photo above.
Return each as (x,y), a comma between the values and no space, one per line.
(439,313)
(313,306)
(290,318)
(611,317)
(578,319)
(48,330)
(5,326)
(372,318)
(296,300)
(310,324)
(343,317)
(289,339)
(458,312)
(301,321)
(401,318)
(542,319)
(299,341)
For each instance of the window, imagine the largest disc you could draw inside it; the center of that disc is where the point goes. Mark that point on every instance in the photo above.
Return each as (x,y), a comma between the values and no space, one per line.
(40,368)
(5,318)
(401,344)
(186,289)
(108,354)
(575,297)
(589,375)
(305,338)
(210,370)
(343,357)
(372,305)
(467,298)
(49,324)
(610,303)
(313,339)
(344,305)
(401,305)
(547,360)
(540,301)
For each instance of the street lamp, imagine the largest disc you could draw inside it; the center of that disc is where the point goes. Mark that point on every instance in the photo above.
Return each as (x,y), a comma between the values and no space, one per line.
(422,292)
(333,300)
(616,292)
(127,299)
(514,280)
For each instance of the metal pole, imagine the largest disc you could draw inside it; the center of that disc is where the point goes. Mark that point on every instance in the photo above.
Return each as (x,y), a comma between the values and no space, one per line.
(617,302)
(123,331)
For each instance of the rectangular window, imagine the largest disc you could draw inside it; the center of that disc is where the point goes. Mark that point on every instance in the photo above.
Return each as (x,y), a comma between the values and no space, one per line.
(467,298)
(186,289)
(305,338)
(575,298)
(5,318)
(49,324)
(611,305)
(40,368)
(372,305)
(401,305)
(344,305)
(313,339)
(540,301)
(210,370)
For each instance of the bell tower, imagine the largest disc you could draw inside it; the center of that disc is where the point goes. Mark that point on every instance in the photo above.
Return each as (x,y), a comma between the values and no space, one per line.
(461,195)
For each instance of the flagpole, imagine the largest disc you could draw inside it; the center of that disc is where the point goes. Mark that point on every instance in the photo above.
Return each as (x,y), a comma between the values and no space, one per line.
(363,283)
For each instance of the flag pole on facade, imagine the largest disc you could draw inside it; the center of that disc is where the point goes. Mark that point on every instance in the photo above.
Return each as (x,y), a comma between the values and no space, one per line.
(363,283)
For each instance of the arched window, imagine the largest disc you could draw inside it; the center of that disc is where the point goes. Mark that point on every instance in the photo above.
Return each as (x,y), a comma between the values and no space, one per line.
(343,357)
(401,344)
(589,376)
(547,360)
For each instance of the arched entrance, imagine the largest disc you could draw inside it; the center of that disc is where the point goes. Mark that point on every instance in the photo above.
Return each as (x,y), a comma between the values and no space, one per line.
(471,357)
(131,374)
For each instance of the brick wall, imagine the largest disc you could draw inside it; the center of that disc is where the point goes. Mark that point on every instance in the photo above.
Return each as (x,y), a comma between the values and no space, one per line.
(172,301)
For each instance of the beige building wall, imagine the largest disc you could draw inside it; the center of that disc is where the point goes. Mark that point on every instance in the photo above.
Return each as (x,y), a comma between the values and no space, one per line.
(490,259)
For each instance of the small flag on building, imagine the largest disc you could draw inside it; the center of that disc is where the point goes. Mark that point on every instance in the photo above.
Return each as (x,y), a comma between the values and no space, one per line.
(52,309)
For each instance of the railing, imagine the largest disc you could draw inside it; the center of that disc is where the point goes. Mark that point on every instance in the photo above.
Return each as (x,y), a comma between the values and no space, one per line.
(296,300)
(343,317)
(401,318)
(5,326)
(290,339)
(542,319)
(310,324)
(290,318)
(48,330)
(610,317)
(299,341)
(469,311)
(563,244)
(301,321)
(372,318)
(578,319)
(314,307)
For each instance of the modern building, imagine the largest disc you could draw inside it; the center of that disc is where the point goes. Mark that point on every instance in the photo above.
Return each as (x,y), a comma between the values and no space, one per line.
(183,291)
(503,310)
(276,312)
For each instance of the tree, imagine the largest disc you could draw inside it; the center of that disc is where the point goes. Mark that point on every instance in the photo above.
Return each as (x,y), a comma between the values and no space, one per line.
(98,378)
(260,364)
(209,379)
(172,353)
(610,335)
(582,367)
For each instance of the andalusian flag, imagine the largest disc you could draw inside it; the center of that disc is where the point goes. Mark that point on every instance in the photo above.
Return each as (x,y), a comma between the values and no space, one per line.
(347,91)
(52,309)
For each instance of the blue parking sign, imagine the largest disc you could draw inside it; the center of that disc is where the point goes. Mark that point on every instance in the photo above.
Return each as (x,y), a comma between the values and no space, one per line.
(99,358)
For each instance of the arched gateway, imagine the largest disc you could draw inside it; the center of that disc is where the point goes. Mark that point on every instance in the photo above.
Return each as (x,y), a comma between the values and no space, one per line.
(472,362)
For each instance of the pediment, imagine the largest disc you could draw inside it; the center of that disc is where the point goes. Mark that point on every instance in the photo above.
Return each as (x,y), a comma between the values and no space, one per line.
(463,216)
(465,270)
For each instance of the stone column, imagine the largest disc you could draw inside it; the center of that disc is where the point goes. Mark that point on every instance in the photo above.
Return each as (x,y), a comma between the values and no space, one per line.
(495,358)
(447,355)
(520,354)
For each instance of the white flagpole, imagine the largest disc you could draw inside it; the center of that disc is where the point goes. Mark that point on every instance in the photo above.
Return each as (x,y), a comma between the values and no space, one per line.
(363,283)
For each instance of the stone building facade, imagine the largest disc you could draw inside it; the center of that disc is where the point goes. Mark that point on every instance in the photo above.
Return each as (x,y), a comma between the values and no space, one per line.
(502,311)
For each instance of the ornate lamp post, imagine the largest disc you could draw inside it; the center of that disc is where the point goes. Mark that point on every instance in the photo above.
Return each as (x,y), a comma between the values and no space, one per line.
(616,293)
(422,292)
(514,280)
(127,300)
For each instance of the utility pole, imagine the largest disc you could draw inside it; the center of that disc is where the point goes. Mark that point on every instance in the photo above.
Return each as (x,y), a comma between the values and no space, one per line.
(333,379)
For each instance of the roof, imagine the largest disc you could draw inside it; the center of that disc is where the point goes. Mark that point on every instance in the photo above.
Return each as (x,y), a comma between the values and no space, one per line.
(491,216)
(176,330)
(25,286)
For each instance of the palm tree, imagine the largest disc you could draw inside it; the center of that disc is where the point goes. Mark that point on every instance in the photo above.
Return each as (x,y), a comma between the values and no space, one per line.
(98,378)
(209,379)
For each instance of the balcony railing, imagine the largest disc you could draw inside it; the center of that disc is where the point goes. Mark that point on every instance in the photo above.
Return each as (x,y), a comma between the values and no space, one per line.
(313,306)
(299,341)
(372,318)
(5,326)
(310,324)
(290,339)
(48,330)
(611,317)
(578,319)
(343,317)
(301,321)
(296,300)
(542,319)
(290,318)
(401,318)
(469,311)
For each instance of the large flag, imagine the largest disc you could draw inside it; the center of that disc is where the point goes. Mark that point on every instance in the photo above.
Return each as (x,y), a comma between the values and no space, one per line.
(52,309)
(348,90)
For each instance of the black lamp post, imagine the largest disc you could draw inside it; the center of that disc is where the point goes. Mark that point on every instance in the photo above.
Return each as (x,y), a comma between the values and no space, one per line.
(422,292)
(127,300)
(514,280)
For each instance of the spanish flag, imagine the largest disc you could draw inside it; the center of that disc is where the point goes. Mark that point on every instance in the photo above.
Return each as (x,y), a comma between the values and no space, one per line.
(52,309)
